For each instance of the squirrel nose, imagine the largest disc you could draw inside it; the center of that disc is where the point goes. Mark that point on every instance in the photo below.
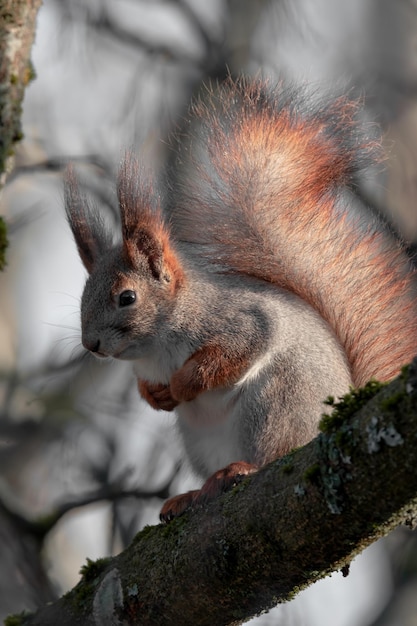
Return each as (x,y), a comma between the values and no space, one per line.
(92,345)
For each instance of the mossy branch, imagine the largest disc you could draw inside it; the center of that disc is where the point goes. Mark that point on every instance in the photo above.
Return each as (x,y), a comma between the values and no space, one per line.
(290,524)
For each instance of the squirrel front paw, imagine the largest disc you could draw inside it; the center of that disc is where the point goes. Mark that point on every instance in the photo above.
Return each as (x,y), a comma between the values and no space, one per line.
(157,395)
(187,383)
(213,366)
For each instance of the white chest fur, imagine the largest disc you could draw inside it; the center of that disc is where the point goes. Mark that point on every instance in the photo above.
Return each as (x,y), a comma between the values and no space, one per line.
(209,428)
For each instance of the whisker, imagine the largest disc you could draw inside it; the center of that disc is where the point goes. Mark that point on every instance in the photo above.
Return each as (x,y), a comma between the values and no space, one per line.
(63,326)
(68,295)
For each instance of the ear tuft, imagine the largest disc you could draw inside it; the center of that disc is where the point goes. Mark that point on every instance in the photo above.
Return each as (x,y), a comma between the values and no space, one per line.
(145,236)
(90,234)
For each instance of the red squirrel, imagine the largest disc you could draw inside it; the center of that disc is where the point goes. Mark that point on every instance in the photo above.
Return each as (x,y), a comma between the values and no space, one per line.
(257,288)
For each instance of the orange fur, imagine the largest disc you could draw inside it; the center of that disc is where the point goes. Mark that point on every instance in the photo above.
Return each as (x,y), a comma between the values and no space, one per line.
(210,367)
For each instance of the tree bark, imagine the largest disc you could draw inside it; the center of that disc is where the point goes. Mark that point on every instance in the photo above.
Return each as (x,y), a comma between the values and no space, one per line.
(293,522)
(17,31)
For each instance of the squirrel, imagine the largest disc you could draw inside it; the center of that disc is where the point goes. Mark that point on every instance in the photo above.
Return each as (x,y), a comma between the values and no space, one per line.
(256,287)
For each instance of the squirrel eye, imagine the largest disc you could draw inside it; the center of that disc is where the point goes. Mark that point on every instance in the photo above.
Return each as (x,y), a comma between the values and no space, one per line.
(127,297)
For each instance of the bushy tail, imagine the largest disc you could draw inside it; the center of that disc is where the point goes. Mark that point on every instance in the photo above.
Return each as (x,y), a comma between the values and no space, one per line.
(263,187)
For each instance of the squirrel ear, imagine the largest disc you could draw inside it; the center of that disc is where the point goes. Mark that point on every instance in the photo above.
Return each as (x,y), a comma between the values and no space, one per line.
(151,243)
(87,226)
(145,236)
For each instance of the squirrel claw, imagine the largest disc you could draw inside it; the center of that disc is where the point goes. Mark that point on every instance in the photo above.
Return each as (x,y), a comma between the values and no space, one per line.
(220,482)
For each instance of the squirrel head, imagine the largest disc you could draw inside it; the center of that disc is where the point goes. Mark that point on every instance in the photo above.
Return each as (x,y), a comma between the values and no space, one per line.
(132,285)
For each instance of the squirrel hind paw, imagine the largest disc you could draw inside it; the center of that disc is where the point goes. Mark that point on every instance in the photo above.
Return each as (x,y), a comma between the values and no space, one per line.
(221,481)
(225,479)
(176,506)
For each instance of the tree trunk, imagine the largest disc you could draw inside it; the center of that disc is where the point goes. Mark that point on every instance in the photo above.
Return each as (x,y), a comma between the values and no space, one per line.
(17,31)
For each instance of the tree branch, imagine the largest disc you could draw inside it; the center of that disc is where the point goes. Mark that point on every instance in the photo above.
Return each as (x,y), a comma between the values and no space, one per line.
(283,528)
